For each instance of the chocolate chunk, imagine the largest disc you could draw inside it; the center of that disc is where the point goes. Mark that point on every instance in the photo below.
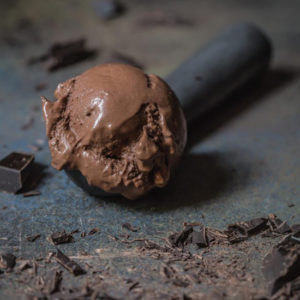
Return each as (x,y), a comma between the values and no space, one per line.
(14,170)
(241,231)
(33,238)
(129,227)
(199,237)
(68,264)
(181,239)
(108,9)
(296,229)
(282,264)
(64,54)
(62,237)
(52,282)
(7,261)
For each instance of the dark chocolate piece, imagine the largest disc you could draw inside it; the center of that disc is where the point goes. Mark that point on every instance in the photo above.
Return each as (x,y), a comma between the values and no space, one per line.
(200,238)
(62,237)
(68,264)
(7,261)
(282,264)
(108,9)
(93,231)
(181,239)
(242,230)
(33,238)
(129,227)
(64,54)
(14,170)
(52,282)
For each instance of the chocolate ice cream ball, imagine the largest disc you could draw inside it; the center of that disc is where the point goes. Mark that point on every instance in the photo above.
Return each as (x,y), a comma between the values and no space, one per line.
(122,129)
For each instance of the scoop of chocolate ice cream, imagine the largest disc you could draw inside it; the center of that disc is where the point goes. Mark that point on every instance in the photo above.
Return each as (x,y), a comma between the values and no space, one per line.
(122,129)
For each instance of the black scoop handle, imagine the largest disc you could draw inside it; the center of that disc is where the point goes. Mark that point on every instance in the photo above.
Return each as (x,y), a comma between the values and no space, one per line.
(239,54)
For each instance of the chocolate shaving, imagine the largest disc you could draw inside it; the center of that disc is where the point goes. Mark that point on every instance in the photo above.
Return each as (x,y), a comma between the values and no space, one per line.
(181,239)
(24,266)
(129,227)
(68,264)
(63,237)
(93,231)
(52,282)
(33,238)
(31,194)
(60,55)
(241,231)
(7,261)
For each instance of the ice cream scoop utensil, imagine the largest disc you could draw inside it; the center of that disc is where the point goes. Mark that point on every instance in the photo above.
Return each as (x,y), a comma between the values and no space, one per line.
(238,55)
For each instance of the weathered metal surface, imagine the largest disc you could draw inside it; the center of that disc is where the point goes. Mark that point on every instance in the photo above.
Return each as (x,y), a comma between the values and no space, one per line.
(242,161)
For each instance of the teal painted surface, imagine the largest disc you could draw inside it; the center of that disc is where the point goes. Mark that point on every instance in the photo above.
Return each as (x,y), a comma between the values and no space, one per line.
(242,161)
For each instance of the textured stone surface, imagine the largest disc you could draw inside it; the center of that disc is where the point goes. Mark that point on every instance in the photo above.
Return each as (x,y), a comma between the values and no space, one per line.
(242,161)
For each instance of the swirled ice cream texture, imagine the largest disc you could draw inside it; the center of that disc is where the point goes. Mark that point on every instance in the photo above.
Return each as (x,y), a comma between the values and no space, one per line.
(122,129)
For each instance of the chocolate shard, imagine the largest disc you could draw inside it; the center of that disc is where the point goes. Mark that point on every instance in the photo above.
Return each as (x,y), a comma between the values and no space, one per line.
(33,238)
(200,238)
(52,282)
(7,261)
(14,170)
(296,229)
(68,264)
(181,239)
(278,225)
(242,230)
(62,237)
(282,264)
(129,227)
(24,265)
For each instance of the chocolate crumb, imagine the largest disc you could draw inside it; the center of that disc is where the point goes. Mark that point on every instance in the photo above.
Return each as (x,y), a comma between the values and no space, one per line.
(62,237)
(68,264)
(7,261)
(33,238)
(129,227)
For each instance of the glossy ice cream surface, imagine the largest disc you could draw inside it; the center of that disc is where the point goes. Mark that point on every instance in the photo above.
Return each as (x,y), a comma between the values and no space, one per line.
(122,129)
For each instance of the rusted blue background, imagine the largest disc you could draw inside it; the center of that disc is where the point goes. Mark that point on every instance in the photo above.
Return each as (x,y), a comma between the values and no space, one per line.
(242,161)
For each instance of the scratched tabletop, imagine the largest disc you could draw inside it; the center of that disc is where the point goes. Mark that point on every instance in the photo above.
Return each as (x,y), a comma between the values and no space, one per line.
(242,160)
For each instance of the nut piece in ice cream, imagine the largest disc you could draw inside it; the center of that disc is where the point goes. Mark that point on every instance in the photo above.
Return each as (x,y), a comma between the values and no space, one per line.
(122,129)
